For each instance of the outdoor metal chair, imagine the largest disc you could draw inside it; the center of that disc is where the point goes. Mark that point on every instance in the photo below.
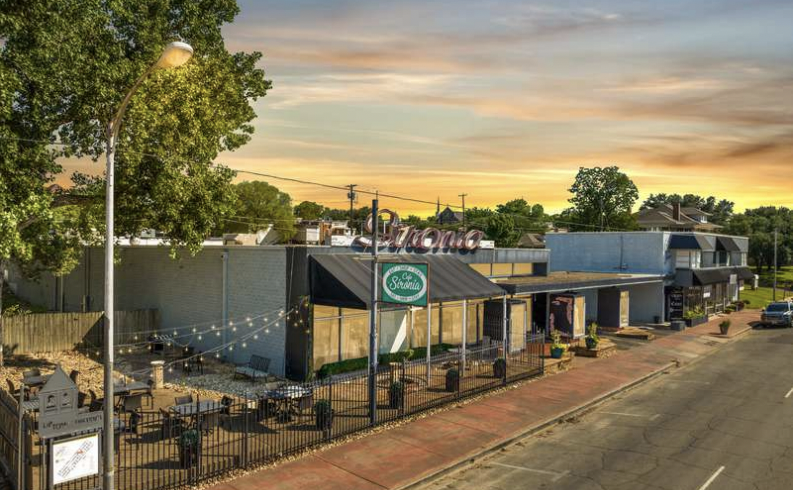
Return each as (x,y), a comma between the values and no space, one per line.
(226,412)
(31,373)
(149,393)
(74,375)
(209,421)
(183,400)
(258,367)
(172,426)
(132,403)
(96,403)
(12,390)
(305,403)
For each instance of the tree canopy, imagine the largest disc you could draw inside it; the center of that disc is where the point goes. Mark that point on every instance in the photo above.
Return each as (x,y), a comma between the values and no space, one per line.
(602,200)
(66,67)
(309,210)
(258,205)
(759,225)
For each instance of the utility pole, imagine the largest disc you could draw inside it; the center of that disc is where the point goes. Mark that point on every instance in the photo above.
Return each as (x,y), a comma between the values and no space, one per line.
(373,319)
(438,208)
(463,205)
(351,194)
(774,265)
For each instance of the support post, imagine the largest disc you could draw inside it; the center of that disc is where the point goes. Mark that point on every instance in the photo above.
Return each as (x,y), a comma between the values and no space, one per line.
(463,337)
(108,462)
(429,326)
(774,269)
(504,331)
(373,319)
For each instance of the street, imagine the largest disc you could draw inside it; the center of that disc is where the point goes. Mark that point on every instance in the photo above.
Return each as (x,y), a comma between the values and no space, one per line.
(722,423)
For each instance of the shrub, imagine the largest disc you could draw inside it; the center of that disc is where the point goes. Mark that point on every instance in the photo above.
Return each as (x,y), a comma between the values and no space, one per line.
(725,324)
(361,363)
(592,331)
(189,438)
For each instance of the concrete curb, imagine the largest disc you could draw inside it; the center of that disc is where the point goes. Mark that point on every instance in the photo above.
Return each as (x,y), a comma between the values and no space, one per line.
(585,407)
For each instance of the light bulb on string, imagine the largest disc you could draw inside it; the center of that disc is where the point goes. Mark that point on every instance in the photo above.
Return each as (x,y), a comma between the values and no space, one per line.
(211,328)
(256,336)
(217,334)
(248,318)
(234,329)
(194,329)
(199,337)
(245,345)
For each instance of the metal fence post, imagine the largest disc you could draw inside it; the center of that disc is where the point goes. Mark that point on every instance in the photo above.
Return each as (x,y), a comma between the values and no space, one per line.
(245,429)
(504,335)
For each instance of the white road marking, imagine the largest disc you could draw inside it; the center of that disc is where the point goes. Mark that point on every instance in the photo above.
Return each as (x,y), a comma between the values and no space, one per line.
(789,393)
(711,480)
(624,414)
(556,475)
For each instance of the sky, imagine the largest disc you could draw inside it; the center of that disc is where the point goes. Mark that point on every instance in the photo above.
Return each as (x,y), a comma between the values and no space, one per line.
(506,99)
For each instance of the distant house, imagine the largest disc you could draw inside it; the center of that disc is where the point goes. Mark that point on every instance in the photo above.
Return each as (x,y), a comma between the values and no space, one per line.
(673,217)
(449,217)
(532,240)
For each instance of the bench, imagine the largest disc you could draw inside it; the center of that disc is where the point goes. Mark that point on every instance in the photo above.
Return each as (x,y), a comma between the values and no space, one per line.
(257,368)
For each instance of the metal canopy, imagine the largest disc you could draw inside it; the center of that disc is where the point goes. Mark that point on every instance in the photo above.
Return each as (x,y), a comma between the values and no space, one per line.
(727,244)
(570,281)
(689,242)
(343,280)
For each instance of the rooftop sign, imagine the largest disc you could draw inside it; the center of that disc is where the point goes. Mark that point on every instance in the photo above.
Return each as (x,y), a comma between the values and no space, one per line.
(406,236)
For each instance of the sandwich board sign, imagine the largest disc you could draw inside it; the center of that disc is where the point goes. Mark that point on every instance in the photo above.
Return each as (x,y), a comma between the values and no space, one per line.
(404,283)
(59,413)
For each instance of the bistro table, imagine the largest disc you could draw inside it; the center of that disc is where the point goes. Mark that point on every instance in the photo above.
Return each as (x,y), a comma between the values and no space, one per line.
(197,408)
(286,397)
(36,381)
(129,387)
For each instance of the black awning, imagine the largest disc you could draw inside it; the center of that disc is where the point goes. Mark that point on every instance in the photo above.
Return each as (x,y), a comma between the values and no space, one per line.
(343,280)
(727,244)
(744,273)
(705,277)
(689,242)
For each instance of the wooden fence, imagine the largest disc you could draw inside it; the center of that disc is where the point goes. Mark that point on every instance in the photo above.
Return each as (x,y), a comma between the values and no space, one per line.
(53,332)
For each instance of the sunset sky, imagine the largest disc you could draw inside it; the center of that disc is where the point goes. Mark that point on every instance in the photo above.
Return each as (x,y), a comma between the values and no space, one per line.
(503,99)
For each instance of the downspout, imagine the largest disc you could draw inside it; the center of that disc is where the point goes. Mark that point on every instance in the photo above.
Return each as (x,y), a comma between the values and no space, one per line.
(225,297)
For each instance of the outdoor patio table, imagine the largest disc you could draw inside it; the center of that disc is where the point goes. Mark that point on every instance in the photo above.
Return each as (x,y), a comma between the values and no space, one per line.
(128,388)
(201,407)
(36,381)
(286,397)
(30,405)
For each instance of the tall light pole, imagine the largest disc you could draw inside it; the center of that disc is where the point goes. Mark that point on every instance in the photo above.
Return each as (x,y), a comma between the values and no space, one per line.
(175,54)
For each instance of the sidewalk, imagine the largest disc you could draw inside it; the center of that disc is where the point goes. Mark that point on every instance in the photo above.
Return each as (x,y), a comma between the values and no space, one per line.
(398,457)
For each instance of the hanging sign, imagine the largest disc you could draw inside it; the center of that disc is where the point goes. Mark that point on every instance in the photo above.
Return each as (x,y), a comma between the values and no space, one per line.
(75,458)
(405,284)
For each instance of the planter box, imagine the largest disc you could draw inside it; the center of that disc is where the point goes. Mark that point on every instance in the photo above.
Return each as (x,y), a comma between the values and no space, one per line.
(692,322)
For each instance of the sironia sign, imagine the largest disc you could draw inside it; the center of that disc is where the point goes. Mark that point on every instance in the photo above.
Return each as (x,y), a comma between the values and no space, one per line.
(404,284)
(402,236)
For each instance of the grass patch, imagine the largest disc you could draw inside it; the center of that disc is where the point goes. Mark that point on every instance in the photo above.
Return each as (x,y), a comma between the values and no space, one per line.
(784,276)
(761,297)
(360,363)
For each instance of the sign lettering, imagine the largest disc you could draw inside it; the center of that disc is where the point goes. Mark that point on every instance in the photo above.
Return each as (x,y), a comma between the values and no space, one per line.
(402,236)
(405,284)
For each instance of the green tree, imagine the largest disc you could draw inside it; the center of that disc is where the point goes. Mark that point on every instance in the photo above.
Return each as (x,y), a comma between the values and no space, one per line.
(260,204)
(309,210)
(602,200)
(759,224)
(501,229)
(65,67)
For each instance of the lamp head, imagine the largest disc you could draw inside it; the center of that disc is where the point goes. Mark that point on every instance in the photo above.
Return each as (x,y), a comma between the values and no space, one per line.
(175,54)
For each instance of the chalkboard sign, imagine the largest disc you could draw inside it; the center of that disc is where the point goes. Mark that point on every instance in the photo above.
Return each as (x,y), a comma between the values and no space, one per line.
(675,305)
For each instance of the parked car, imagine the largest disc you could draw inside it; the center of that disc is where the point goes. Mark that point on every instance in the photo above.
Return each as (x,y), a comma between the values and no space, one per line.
(778,313)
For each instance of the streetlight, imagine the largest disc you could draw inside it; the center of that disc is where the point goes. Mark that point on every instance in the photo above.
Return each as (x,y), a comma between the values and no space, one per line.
(175,54)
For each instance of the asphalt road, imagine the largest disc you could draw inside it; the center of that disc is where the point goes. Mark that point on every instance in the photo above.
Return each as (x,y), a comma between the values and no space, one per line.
(723,423)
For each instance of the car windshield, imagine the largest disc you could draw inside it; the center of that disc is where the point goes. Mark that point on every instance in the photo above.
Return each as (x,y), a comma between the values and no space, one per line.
(777,307)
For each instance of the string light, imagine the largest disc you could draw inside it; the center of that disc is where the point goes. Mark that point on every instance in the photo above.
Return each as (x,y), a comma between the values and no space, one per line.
(245,345)
(256,336)
(199,337)
(248,318)
(217,334)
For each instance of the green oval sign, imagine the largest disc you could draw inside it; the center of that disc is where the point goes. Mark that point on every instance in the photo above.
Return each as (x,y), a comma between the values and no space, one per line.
(405,284)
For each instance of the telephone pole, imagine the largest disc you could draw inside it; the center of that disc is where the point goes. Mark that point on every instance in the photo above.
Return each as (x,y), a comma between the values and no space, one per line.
(463,205)
(351,194)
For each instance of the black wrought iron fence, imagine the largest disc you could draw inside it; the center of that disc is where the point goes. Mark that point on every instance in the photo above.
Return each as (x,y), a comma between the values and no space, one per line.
(171,448)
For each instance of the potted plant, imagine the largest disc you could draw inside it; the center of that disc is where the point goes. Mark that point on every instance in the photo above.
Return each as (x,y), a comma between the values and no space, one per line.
(189,443)
(694,316)
(557,347)
(396,394)
(452,380)
(323,415)
(499,367)
(592,336)
(730,309)
(725,325)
